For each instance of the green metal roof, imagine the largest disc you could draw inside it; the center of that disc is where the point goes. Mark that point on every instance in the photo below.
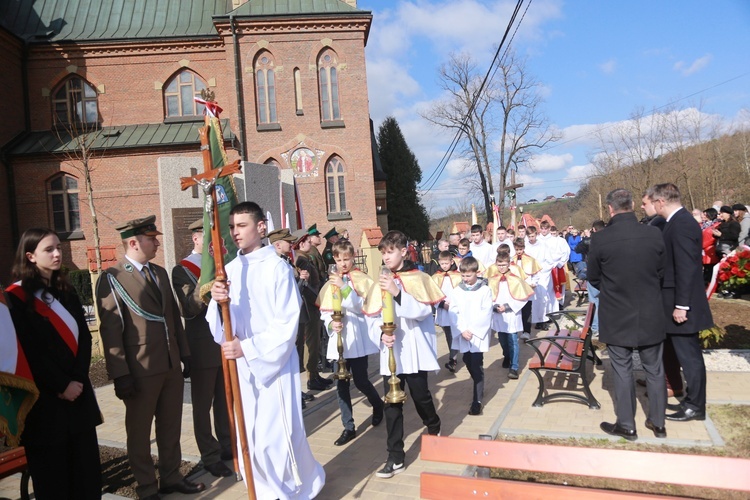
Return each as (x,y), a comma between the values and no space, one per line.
(293,7)
(78,20)
(149,135)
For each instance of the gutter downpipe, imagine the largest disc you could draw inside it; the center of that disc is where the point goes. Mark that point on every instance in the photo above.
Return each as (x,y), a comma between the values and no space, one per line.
(238,89)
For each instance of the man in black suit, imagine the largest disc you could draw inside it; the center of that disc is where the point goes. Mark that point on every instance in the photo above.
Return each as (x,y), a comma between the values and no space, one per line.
(630,315)
(684,297)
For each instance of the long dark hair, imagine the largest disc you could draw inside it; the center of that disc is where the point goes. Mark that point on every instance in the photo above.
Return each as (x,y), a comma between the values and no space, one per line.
(28,274)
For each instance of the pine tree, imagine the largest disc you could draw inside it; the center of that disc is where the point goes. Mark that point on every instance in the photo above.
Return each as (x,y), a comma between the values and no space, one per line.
(405,211)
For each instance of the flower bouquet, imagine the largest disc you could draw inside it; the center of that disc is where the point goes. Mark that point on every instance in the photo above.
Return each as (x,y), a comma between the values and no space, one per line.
(734,272)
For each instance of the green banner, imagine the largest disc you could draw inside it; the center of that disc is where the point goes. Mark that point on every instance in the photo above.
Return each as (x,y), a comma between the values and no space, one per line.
(226,198)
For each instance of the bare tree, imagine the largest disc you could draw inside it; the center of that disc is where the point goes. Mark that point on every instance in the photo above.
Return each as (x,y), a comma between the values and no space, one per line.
(81,146)
(504,127)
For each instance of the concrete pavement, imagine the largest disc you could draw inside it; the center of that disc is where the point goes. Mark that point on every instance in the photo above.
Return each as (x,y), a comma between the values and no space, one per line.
(350,469)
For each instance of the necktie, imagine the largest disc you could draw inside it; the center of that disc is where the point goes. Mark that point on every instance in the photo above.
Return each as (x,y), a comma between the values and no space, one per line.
(151,280)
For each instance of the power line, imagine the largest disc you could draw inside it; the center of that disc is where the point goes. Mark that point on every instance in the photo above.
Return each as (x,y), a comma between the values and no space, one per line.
(435,176)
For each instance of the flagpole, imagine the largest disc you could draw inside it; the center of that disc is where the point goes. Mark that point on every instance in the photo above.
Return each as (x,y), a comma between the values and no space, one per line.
(231,387)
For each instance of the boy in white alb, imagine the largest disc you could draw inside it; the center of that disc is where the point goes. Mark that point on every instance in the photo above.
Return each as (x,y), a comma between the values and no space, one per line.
(481,250)
(544,293)
(471,300)
(355,288)
(265,307)
(447,278)
(414,344)
(510,293)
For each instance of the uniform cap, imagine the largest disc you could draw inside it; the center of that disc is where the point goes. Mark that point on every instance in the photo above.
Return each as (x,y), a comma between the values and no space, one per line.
(282,234)
(197,225)
(313,230)
(145,226)
(331,233)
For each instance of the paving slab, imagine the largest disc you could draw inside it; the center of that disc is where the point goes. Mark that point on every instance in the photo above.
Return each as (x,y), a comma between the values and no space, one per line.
(350,469)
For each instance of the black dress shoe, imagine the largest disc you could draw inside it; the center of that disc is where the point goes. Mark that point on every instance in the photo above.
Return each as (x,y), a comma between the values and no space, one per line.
(218,469)
(660,432)
(377,416)
(318,384)
(304,405)
(345,437)
(155,496)
(475,408)
(185,486)
(616,430)
(227,455)
(306,396)
(687,414)
(672,407)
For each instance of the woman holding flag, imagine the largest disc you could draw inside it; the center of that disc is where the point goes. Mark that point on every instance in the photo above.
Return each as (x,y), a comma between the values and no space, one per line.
(60,430)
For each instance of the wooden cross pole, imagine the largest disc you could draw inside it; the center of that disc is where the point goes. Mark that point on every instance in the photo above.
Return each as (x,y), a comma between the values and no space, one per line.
(231,382)
(514,187)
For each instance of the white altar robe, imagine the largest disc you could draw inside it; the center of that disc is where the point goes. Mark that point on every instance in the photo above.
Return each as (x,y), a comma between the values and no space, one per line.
(544,293)
(473,313)
(358,337)
(264,308)
(415,346)
(510,320)
(484,253)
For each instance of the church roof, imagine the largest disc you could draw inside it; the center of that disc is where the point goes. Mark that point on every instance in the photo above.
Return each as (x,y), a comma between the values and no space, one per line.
(79,20)
(118,137)
(293,7)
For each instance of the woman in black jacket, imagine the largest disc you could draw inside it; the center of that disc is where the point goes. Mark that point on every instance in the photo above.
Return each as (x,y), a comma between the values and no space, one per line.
(60,430)
(728,232)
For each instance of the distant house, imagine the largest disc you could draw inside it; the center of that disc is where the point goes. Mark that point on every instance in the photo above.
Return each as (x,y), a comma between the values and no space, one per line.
(532,201)
(550,198)
(568,196)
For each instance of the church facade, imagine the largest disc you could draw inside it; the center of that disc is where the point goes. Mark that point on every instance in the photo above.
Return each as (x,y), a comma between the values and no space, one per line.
(105,90)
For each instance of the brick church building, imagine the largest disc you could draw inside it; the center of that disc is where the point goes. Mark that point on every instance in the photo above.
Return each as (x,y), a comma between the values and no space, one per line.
(289,74)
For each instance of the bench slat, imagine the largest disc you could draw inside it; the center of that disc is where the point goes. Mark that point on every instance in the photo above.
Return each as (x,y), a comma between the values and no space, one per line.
(688,470)
(12,461)
(445,487)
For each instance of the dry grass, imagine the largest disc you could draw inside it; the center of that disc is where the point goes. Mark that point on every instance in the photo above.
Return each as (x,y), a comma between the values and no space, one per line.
(732,422)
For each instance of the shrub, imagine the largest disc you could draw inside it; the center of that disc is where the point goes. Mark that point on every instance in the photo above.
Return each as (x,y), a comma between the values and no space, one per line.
(81,281)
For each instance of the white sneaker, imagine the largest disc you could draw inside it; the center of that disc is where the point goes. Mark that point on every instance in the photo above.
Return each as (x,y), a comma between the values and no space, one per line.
(525,335)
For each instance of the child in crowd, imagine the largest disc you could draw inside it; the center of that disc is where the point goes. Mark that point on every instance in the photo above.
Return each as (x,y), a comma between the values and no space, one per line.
(510,293)
(447,279)
(530,268)
(494,271)
(413,342)
(355,288)
(465,251)
(471,301)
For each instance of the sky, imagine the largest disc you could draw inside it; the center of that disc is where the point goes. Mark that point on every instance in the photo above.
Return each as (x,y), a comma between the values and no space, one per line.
(597,62)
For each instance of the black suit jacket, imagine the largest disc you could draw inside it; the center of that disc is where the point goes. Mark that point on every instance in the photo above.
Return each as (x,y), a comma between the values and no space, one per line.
(53,366)
(683,275)
(626,263)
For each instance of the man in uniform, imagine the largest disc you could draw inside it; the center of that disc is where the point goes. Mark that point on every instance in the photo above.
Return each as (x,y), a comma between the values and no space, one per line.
(331,237)
(144,343)
(206,374)
(315,255)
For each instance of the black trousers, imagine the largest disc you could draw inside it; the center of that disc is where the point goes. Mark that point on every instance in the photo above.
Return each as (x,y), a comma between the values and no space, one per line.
(621,360)
(358,369)
(474,362)
(394,413)
(690,354)
(70,470)
(526,317)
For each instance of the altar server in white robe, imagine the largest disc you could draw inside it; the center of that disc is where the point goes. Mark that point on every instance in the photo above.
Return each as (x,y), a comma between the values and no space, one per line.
(471,301)
(265,307)
(544,295)
(413,294)
(560,254)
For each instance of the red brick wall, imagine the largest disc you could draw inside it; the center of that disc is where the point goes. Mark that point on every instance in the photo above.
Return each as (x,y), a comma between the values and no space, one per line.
(126,185)
(11,125)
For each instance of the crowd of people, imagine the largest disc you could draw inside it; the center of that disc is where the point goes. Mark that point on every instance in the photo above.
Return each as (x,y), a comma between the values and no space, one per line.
(288,302)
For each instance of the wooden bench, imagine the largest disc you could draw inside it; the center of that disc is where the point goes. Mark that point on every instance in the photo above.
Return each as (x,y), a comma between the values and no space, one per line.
(565,351)
(581,290)
(664,468)
(13,461)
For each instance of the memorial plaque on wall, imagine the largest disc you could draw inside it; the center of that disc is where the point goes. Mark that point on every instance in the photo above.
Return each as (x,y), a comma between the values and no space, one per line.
(182,237)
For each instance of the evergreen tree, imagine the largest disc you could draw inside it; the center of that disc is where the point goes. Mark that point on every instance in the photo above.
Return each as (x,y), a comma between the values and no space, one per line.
(405,211)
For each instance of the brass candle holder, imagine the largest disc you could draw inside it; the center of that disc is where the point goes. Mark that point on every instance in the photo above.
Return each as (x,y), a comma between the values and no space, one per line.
(395,393)
(343,372)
